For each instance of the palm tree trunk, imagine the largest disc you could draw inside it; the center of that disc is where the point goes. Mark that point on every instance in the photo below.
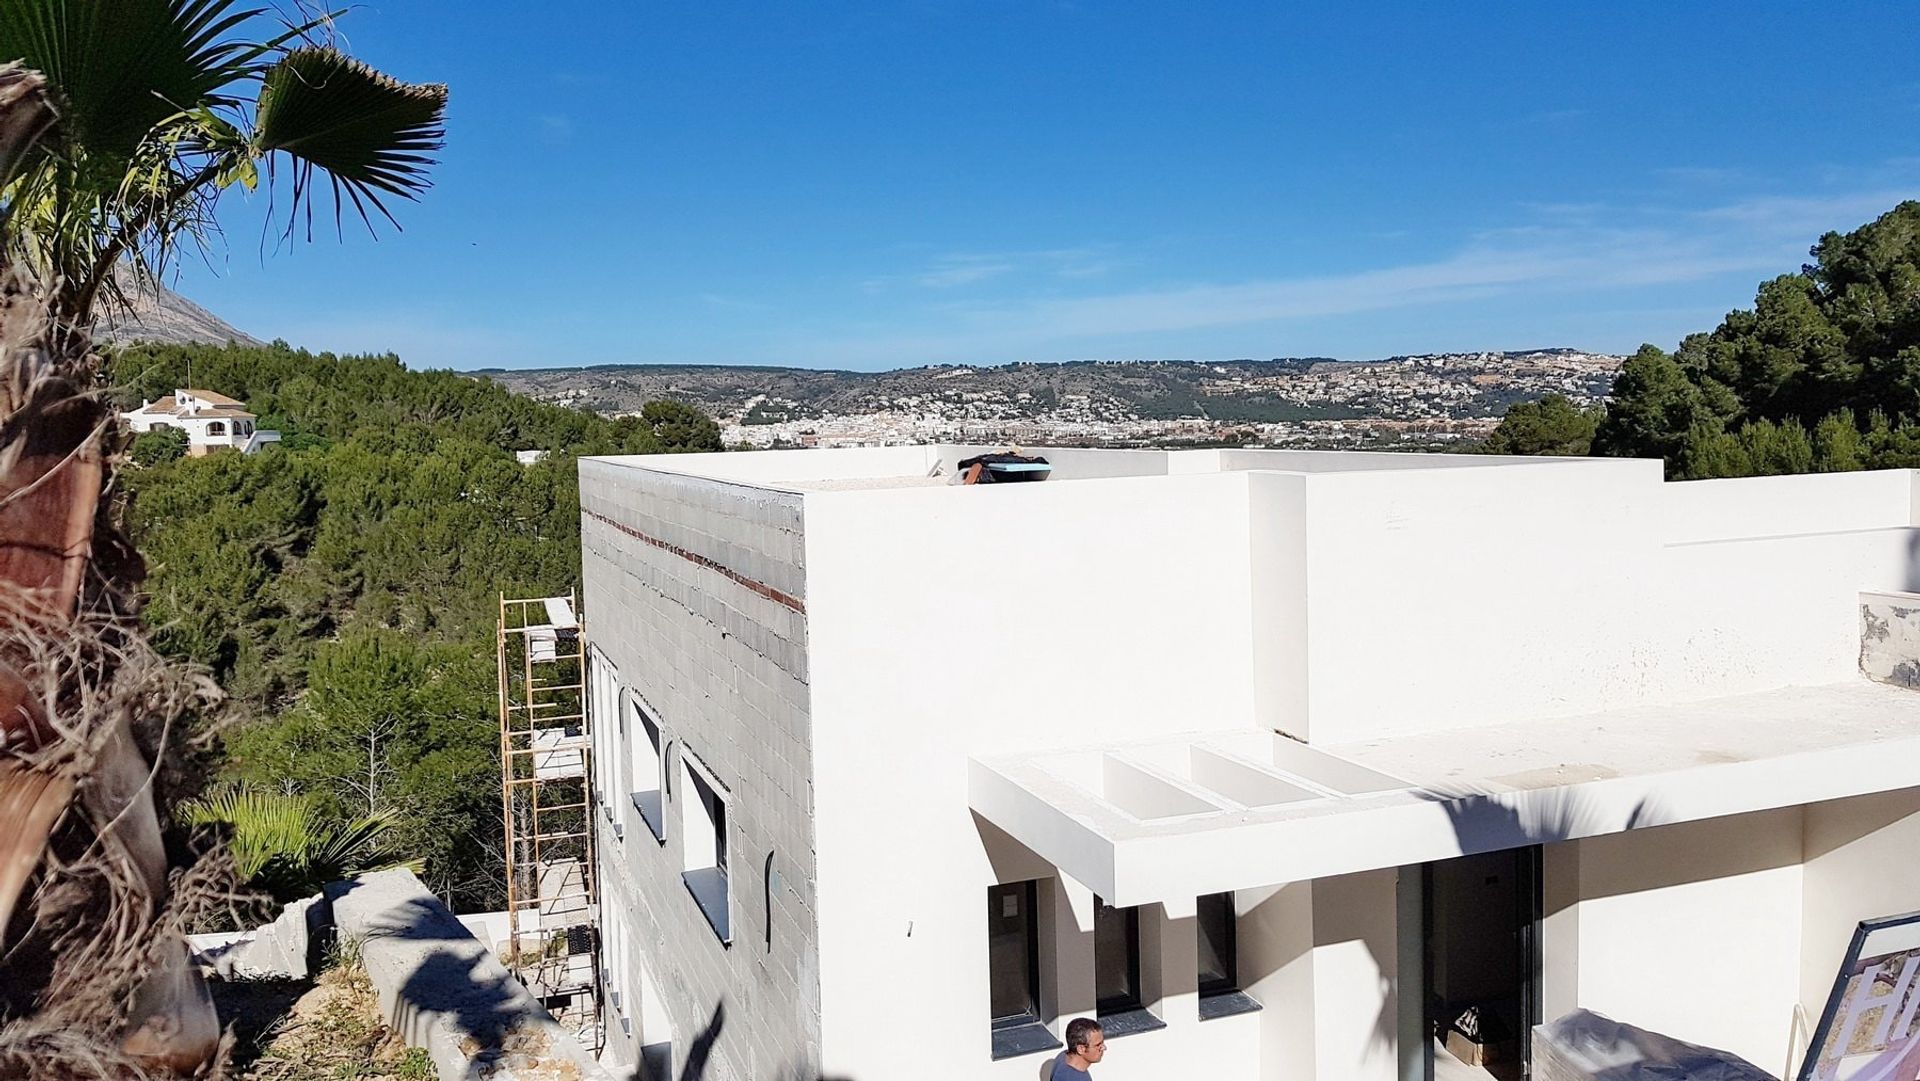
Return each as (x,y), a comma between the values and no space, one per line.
(97,958)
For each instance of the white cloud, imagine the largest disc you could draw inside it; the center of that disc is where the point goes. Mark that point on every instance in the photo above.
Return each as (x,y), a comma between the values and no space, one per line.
(963,268)
(1557,251)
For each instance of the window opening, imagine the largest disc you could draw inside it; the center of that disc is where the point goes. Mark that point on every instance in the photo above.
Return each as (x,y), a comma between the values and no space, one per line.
(1216,948)
(1116,958)
(646,771)
(1013,962)
(1013,952)
(1213,918)
(703,841)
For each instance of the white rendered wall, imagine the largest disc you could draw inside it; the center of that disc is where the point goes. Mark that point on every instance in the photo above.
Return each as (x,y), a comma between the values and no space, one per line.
(1449,598)
(944,624)
(1443,598)
(1356,977)
(1321,957)
(1860,865)
(1691,930)
(1277,967)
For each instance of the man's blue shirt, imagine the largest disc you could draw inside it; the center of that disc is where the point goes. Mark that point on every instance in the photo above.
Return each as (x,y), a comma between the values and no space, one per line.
(1064,1072)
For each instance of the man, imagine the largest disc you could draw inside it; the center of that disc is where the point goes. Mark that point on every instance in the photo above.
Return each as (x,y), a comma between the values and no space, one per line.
(1086,1045)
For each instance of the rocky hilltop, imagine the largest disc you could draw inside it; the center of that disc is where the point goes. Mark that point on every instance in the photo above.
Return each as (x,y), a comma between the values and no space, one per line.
(1304,401)
(158,314)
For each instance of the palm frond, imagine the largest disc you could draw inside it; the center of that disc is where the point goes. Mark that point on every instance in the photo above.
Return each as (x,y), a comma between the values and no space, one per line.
(370,133)
(282,843)
(265,825)
(122,66)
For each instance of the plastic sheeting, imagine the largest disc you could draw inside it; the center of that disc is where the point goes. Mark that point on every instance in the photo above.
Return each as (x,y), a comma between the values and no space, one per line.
(1587,1046)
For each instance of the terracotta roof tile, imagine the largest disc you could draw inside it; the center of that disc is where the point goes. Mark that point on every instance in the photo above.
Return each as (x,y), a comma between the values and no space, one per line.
(216,399)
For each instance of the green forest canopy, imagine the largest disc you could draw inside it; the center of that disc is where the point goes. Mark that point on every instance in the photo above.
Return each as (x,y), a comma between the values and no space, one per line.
(343,586)
(1822,374)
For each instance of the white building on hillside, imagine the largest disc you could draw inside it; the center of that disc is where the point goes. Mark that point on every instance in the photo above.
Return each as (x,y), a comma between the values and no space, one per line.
(211,421)
(1276,761)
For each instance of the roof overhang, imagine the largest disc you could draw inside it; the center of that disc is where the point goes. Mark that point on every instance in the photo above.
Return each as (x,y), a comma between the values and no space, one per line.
(1173,819)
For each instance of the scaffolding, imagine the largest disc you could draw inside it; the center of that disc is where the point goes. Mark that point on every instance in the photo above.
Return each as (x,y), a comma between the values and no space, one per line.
(545,759)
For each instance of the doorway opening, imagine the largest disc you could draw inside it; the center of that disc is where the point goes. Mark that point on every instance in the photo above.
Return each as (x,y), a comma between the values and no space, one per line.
(1482,963)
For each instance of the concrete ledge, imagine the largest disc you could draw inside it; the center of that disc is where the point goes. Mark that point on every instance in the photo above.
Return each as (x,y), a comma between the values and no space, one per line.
(442,990)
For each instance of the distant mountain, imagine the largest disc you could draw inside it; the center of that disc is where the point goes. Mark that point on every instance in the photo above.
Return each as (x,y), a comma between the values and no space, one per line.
(159,314)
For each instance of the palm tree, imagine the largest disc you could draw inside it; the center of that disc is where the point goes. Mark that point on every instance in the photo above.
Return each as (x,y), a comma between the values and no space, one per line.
(283,844)
(164,105)
(121,123)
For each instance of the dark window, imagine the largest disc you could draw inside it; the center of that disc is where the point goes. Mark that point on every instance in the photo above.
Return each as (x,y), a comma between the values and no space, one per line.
(1013,960)
(1013,952)
(1116,958)
(1213,915)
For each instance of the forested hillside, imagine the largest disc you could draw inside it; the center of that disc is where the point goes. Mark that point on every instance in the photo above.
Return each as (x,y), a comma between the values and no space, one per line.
(1822,374)
(342,587)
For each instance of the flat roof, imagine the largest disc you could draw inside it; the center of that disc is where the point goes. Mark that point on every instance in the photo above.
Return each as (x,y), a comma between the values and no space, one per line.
(1173,819)
(921,465)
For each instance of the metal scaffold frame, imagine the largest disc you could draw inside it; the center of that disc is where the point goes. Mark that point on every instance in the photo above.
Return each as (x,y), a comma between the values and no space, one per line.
(546,759)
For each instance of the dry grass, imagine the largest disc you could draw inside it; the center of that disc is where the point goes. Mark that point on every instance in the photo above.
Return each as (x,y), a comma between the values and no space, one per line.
(332,1032)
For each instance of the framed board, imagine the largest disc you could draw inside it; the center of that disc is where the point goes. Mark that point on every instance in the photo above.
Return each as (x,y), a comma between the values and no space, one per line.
(1867,1032)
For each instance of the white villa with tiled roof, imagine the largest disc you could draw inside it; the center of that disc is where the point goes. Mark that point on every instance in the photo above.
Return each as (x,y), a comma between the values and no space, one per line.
(211,421)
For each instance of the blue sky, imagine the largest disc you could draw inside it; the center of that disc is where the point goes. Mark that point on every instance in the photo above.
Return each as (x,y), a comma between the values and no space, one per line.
(873,185)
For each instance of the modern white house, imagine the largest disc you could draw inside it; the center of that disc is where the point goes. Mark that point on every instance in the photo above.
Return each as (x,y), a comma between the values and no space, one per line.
(211,421)
(1276,761)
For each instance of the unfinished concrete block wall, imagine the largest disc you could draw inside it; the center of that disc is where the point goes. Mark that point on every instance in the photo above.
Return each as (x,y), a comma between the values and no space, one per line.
(694,590)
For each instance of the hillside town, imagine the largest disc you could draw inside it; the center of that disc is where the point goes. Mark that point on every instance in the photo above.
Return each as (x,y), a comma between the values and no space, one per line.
(1429,400)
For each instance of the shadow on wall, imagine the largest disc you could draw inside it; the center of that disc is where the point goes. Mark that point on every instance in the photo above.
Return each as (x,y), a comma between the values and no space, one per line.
(700,1055)
(1485,823)
(490,1004)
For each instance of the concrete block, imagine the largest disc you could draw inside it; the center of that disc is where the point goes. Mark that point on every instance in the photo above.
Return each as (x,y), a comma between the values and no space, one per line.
(287,948)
